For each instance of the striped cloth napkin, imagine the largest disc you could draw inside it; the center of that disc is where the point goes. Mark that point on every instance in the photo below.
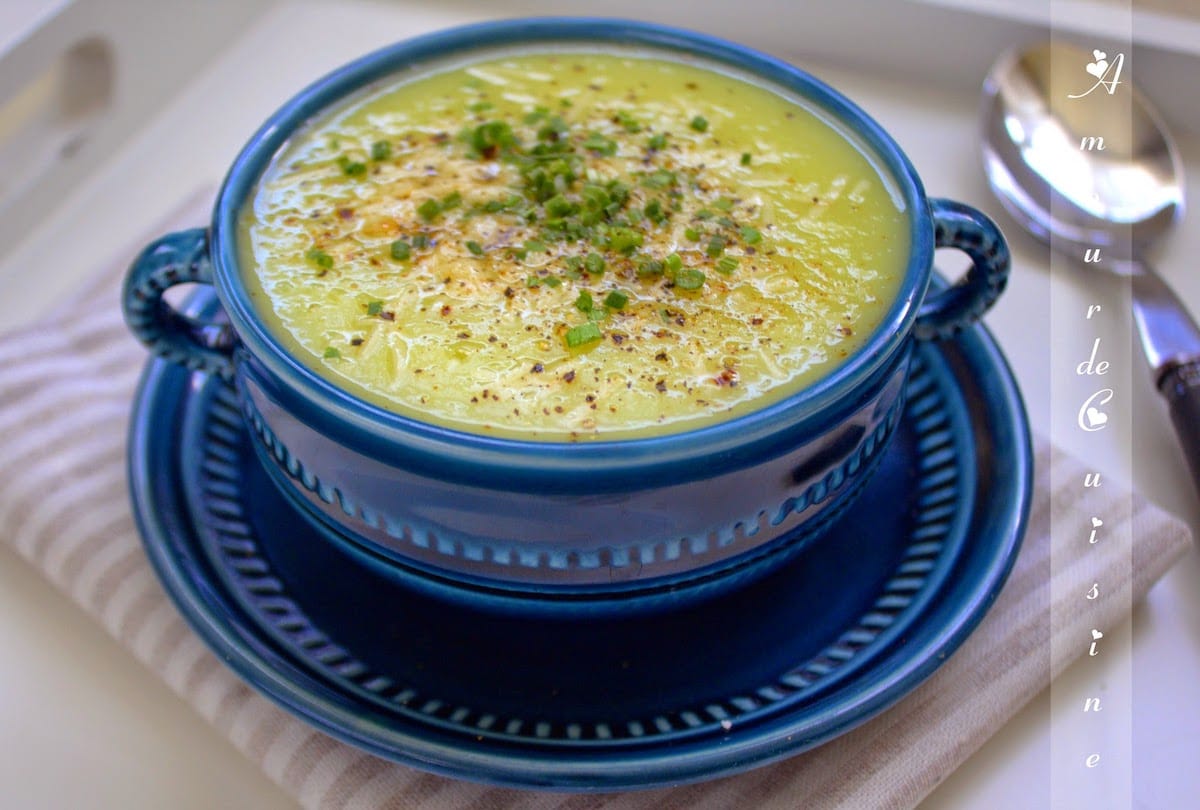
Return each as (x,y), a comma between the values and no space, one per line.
(66,386)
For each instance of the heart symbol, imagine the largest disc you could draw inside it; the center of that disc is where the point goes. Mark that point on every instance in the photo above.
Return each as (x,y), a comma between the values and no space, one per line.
(1097,635)
(1100,55)
(1097,68)
(1096,417)
(1097,523)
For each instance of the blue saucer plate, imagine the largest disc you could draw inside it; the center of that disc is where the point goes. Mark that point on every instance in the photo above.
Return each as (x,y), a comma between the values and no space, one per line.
(838,634)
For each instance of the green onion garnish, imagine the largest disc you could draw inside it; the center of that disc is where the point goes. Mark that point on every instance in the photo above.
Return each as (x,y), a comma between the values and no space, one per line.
(751,236)
(401,251)
(627,121)
(331,353)
(699,123)
(584,302)
(625,240)
(381,150)
(583,334)
(350,167)
(648,268)
(598,143)
(429,209)
(475,248)
(716,246)
(594,264)
(746,158)
(320,258)
(689,279)
(374,307)
(726,265)
(616,300)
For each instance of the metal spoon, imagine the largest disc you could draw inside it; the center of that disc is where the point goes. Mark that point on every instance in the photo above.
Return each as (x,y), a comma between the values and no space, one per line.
(1102,206)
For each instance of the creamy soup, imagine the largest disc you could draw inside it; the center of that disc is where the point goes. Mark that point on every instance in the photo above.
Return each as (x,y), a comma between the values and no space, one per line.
(571,245)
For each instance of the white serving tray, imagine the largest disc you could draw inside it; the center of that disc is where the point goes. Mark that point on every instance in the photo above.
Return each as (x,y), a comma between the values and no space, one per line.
(85,726)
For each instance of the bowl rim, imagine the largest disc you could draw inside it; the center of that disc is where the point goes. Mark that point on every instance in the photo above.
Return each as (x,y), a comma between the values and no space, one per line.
(339,412)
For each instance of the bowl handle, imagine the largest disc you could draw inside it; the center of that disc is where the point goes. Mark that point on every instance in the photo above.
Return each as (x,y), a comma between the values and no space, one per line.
(948,312)
(177,258)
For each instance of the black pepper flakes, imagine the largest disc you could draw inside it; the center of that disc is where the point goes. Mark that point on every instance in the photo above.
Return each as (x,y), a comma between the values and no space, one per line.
(569,376)
(538,368)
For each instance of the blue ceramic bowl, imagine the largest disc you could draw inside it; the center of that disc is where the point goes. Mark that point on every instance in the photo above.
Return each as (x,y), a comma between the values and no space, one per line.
(606,524)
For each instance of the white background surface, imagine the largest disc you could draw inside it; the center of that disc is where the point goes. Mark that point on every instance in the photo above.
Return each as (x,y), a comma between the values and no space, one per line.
(83,725)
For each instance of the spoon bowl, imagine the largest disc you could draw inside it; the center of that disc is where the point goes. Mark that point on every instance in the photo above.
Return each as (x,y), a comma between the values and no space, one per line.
(1092,171)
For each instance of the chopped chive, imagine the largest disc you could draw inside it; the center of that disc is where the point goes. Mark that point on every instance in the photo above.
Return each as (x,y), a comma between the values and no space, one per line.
(726,222)
(480,106)
(421,241)
(628,122)
(716,246)
(537,114)
(699,123)
(489,138)
(648,268)
(659,178)
(331,353)
(381,150)
(429,209)
(724,204)
(726,265)
(596,142)
(689,279)
(374,307)
(594,264)
(560,206)
(552,281)
(584,302)
(658,141)
(350,167)
(692,235)
(533,281)
(746,158)
(451,200)
(583,334)
(674,262)
(320,258)
(751,236)
(400,250)
(616,300)
(475,248)
(654,212)
(625,240)
(535,246)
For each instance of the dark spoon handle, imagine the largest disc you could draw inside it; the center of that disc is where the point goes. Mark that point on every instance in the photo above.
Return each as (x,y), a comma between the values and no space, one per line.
(1181,386)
